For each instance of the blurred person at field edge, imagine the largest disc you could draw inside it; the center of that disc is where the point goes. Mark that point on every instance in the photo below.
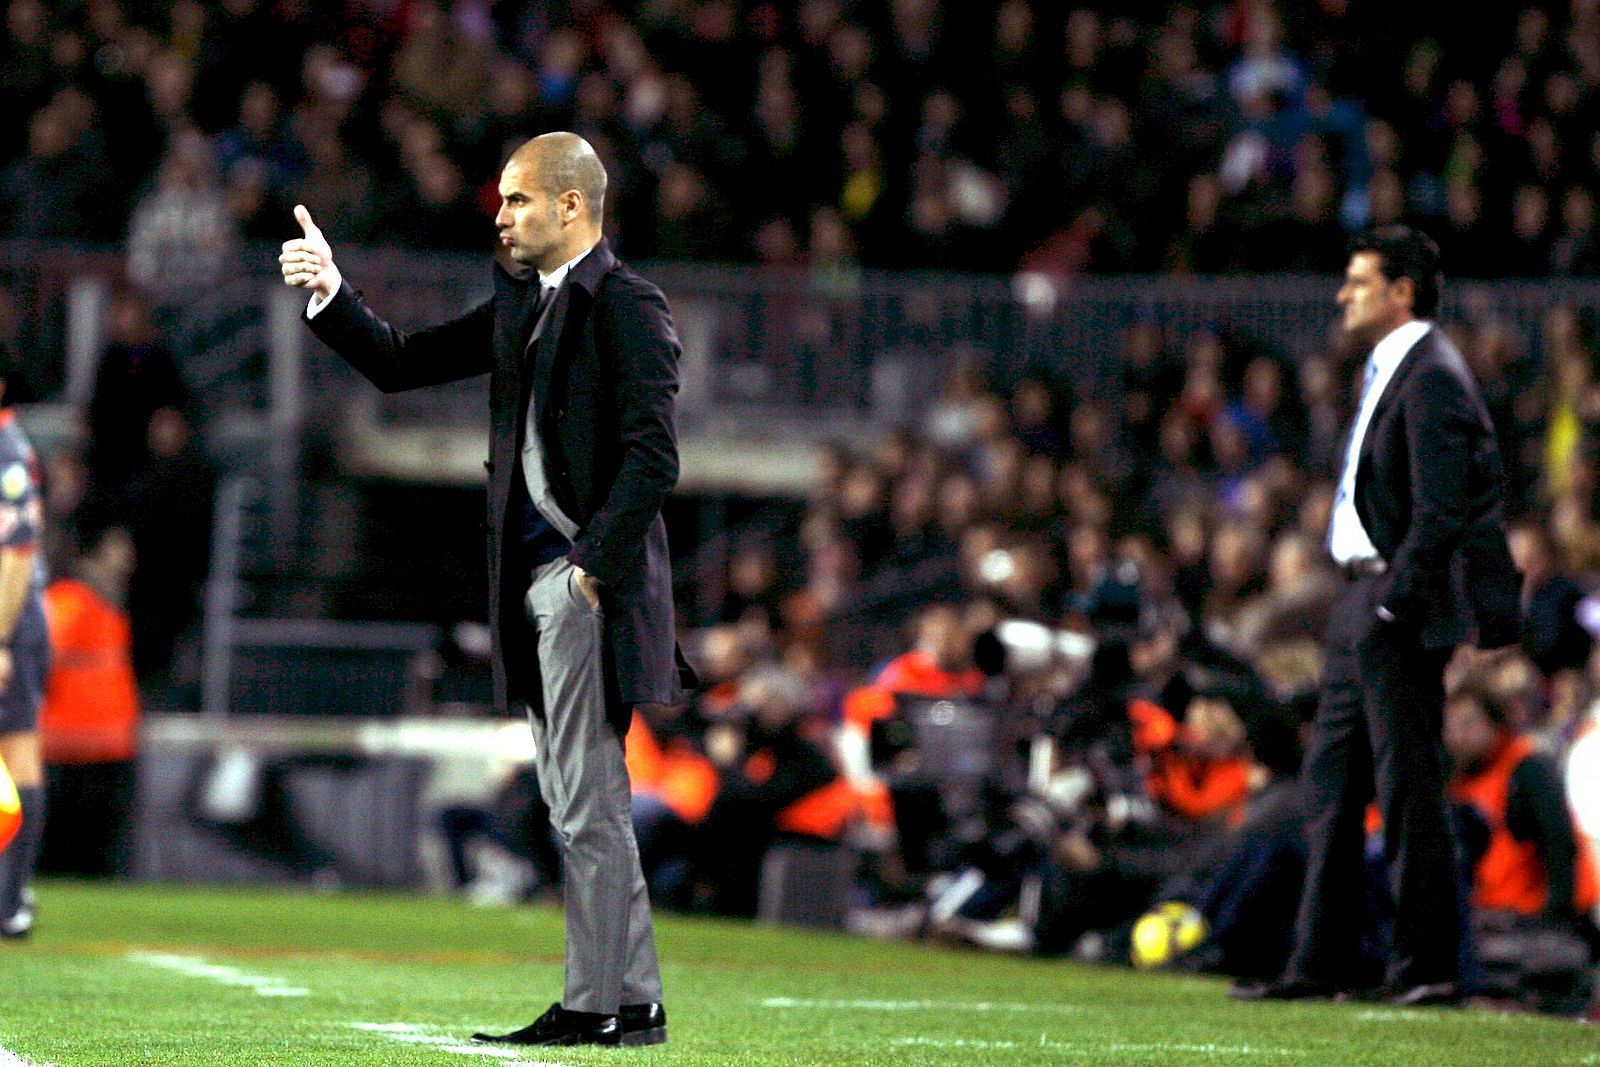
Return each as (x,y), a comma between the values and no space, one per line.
(1552,635)
(938,665)
(24,654)
(1536,863)
(1416,530)
(776,779)
(89,722)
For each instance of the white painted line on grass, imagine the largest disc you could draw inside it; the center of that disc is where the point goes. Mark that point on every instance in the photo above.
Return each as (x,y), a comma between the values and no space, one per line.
(916,1005)
(414,1034)
(194,967)
(1095,1046)
(1203,1049)
(11,1059)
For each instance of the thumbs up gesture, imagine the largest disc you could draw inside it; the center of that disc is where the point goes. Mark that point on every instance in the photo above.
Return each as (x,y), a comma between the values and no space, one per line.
(307,261)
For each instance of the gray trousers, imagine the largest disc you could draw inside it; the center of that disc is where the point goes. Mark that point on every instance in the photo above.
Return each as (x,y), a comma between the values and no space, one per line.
(578,756)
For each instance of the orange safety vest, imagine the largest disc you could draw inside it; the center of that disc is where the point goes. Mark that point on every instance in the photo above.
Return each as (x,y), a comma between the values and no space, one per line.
(682,778)
(1186,784)
(1510,876)
(916,674)
(822,813)
(90,712)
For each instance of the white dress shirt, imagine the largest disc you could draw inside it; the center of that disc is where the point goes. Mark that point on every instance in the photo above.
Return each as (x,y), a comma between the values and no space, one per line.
(1348,541)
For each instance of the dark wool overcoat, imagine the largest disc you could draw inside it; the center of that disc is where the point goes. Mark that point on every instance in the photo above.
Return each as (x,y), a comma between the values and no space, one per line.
(602,380)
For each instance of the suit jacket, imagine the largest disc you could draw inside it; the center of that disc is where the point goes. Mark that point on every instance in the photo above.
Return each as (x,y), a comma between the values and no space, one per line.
(602,380)
(1429,493)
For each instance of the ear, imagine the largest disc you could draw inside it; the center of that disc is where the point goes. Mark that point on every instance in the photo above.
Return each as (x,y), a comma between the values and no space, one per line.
(1406,290)
(572,205)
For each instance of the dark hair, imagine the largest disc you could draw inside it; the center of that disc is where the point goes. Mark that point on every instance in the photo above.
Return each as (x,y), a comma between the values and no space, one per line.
(1404,252)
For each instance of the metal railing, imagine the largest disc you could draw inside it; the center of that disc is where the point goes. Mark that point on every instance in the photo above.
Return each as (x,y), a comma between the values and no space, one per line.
(765,351)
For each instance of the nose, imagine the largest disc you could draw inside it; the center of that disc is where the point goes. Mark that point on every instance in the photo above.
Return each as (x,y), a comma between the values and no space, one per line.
(502,218)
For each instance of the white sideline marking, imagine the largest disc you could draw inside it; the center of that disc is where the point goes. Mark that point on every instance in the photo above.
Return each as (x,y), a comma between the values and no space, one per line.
(195,967)
(1091,1046)
(915,1005)
(413,1034)
(11,1059)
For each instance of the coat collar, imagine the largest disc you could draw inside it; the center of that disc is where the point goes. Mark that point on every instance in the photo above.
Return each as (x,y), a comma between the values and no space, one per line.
(587,274)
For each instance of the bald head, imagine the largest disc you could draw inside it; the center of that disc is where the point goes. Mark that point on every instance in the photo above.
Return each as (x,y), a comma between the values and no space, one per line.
(564,162)
(552,196)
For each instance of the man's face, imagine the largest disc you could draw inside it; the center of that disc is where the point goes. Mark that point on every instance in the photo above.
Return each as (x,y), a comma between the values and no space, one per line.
(1373,303)
(529,219)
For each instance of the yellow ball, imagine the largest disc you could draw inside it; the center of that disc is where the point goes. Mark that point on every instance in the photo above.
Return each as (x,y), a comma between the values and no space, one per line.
(1167,932)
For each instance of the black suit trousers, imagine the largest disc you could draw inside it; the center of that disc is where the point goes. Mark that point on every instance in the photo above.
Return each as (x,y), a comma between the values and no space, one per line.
(1377,733)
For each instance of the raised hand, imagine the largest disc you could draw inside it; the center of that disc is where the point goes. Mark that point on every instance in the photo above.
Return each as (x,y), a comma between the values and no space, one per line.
(308,261)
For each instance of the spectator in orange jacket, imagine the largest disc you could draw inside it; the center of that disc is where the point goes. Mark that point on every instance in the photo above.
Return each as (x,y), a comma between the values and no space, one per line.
(777,778)
(1200,769)
(939,665)
(89,722)
(1536,862)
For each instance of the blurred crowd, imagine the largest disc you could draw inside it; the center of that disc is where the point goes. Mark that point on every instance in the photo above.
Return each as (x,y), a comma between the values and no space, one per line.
(1222,137)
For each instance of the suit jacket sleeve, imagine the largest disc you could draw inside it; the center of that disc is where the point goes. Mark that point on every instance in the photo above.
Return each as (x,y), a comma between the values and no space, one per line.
(635,340)
(1441,428)
(395,360)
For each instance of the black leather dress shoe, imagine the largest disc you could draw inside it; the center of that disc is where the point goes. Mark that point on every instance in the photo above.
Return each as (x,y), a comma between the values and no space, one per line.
(643,1024)
(558,1026)
(1292,989)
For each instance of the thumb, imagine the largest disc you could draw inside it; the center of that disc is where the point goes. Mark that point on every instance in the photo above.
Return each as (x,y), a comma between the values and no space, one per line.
(303,217)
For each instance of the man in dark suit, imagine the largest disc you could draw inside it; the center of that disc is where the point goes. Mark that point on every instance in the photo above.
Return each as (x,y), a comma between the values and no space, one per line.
(582,359)
(1417,531)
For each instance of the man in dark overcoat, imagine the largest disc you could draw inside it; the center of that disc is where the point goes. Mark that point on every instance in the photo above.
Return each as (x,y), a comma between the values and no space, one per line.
(582,358)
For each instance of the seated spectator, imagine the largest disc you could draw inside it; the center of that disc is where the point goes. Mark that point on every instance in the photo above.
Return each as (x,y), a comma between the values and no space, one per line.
(502,852)
(1552,635)
(51,191)
(1534,864)
(674,787)
(777,777)
(938,665)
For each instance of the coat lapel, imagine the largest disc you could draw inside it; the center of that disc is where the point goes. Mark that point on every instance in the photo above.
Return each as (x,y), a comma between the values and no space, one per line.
(1414,356)
(580,286)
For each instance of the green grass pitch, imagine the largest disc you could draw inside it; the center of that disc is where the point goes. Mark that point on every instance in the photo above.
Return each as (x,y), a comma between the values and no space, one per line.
(123,976)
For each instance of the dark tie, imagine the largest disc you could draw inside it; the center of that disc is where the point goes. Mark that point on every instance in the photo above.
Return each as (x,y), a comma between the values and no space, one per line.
(541,303)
